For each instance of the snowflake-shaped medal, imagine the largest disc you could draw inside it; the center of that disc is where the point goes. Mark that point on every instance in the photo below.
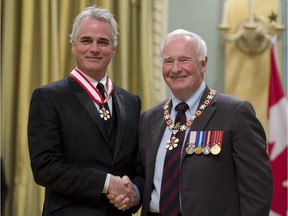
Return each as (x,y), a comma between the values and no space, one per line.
(172,143)
(104,114)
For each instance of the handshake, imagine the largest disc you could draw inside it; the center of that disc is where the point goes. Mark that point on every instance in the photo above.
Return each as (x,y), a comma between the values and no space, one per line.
(121,193)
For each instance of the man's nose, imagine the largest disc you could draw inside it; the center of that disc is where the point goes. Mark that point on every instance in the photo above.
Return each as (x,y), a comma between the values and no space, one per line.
(176,67)
(95,46)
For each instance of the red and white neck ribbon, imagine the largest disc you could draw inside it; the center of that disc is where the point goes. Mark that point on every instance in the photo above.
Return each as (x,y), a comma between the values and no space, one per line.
(93,92)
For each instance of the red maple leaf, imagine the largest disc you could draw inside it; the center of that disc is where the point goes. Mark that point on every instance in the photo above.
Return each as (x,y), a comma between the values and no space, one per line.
(279,172)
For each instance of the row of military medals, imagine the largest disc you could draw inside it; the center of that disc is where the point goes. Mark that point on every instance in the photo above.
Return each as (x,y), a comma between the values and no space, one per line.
(205,142)
(172,143)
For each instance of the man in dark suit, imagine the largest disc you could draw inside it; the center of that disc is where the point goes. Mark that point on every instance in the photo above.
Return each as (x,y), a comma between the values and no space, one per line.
(211,160)
(83,138)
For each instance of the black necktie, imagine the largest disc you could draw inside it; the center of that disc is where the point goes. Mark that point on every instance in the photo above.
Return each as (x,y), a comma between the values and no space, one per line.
(101,89)
(169,197)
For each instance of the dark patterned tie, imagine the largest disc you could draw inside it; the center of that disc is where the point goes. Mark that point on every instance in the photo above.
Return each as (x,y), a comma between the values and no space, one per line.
(169,197)
(101,89)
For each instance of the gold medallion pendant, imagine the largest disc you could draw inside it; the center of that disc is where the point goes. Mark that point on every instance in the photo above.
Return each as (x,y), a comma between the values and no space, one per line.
(215,149)
(217,144)
(198,150)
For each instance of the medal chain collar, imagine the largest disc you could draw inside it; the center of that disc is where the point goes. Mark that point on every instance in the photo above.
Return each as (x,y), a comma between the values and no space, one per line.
(173,142)
(175,127)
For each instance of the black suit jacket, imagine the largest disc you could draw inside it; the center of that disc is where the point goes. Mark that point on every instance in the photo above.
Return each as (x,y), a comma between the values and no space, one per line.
(236,182)
(69,148)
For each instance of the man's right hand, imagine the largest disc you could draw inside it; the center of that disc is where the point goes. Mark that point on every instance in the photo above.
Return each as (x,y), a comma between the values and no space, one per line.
(121,192)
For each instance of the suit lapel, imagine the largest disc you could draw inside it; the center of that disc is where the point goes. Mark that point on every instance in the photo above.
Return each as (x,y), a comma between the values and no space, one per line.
(200,123)
(157,126)
(89,106)
(157,130)
(119,103)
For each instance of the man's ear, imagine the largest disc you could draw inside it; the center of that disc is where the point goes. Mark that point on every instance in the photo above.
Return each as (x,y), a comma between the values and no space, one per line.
(204,64)
(73,47)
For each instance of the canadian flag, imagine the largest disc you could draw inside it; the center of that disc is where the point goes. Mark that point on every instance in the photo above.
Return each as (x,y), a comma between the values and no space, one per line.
(277,136)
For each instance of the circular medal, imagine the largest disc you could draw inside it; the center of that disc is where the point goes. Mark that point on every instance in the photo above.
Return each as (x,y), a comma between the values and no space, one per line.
(215,149)
(190,149)
(198,150)
(206,150)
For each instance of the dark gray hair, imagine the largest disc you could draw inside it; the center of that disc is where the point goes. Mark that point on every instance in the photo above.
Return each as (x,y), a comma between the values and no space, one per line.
(201,50)
(98,14)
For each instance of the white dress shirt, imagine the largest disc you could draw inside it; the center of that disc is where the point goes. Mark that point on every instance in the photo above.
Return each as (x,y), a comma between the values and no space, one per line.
(193,103)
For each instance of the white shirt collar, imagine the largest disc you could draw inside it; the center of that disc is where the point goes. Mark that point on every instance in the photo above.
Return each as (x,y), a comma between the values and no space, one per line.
(95,82)
(193,101)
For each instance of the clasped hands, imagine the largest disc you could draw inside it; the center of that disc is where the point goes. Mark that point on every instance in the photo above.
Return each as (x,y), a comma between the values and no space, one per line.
(121,193)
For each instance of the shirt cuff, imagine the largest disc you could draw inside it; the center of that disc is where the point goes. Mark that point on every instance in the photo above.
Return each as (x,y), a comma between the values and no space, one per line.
(106,185)
(137,193)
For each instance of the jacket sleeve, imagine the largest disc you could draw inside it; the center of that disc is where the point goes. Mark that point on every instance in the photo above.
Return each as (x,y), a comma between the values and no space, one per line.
(252,163)
(49,166)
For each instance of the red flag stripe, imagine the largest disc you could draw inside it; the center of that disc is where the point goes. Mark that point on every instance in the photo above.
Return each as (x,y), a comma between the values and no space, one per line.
(277,136)
(276,91)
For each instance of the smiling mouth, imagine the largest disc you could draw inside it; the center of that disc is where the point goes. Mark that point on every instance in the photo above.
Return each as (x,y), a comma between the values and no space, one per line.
(178,77)
(94,57)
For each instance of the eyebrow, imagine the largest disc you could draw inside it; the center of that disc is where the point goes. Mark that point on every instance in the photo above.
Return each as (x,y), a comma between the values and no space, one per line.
(104,39)
(85,38)
(99,39)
